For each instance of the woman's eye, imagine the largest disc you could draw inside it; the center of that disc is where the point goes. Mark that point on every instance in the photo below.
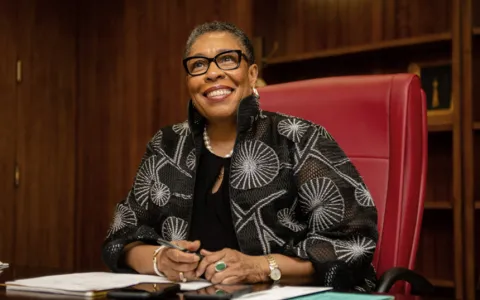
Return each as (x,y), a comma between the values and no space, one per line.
(226,59)
(198,64)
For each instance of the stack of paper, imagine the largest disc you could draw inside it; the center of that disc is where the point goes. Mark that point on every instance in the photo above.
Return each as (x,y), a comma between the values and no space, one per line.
(91,284)
(3,265)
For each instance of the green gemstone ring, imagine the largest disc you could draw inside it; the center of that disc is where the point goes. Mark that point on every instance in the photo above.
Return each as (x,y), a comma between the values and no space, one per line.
(220,292)
(220,266)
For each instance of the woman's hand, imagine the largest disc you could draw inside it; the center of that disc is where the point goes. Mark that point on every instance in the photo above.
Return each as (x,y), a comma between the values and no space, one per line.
(177,265)
(241,268)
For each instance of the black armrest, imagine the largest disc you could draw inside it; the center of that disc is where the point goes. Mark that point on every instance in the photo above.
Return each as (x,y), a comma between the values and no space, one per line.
(420,285)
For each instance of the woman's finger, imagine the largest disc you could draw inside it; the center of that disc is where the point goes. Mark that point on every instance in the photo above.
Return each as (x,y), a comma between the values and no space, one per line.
(176,276)
(209,272)
(189,276)
(232,280)
(181,257)
(190,246)
(231,270)
(171,275)
(209,260)
(183,267)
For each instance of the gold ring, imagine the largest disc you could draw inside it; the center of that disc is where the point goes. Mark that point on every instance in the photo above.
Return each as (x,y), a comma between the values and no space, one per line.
(182,277)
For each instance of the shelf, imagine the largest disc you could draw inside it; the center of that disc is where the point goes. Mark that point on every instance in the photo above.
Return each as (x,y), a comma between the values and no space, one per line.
(399,43)
(476,125)
(442,282)
(440,122)
(437,205)
(476,30)
(477,204)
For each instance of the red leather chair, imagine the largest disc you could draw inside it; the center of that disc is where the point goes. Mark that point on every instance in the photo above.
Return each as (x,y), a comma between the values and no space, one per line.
(380,122)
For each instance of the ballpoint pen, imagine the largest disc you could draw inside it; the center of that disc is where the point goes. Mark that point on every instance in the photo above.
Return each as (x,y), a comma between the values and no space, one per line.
(171,245)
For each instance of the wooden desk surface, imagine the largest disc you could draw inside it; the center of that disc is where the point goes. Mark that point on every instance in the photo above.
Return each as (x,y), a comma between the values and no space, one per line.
(24,272)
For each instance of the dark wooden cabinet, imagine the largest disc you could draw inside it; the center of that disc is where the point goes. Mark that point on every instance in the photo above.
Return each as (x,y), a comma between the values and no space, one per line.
(37,116)
(471,141)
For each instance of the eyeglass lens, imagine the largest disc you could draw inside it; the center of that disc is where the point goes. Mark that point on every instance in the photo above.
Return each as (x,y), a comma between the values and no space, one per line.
(225,61)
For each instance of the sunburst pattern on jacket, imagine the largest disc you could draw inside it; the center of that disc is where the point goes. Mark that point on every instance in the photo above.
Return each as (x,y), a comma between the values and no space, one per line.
(287,218)
(191,160)
(322,200)
(174,229)
(355,249)
(292,128)
(254,165)
(181,128)
(160,193)
(122,218)
(146,177)
(156,141)
(363,196)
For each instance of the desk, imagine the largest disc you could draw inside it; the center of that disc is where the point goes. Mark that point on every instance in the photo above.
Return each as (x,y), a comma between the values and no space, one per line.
(24,272)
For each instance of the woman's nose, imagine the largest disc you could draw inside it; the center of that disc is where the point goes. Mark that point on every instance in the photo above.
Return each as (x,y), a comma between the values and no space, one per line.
(214,72)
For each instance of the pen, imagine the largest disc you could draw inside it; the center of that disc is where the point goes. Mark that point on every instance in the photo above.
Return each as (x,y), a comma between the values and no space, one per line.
(168,244)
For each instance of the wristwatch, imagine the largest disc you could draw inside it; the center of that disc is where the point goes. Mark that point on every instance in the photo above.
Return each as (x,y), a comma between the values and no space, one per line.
(275,273)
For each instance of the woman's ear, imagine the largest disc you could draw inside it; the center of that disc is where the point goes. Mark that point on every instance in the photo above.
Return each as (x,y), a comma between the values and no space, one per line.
(253,74)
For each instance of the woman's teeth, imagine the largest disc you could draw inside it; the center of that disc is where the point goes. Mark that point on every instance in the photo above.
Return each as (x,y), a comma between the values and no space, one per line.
(217,93)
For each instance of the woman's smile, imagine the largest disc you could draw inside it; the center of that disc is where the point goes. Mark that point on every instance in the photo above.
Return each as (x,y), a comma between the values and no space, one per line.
(218,93)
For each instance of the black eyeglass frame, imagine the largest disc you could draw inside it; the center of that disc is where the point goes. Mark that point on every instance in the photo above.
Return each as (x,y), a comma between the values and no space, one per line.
(214,59)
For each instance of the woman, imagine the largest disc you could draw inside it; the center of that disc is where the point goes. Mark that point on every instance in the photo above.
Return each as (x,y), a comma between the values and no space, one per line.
(261,196)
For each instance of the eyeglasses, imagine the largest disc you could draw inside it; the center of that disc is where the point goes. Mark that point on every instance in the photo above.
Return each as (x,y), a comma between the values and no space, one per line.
(227,60)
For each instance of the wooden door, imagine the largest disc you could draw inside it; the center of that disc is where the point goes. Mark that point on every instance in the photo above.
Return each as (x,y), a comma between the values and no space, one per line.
(46,134)
(8,15)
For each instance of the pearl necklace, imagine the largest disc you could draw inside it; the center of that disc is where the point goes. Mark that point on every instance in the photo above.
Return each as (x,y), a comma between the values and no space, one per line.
(206,139)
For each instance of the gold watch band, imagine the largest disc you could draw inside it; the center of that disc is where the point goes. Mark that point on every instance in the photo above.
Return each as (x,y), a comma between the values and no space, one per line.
(275,273)
(271,261)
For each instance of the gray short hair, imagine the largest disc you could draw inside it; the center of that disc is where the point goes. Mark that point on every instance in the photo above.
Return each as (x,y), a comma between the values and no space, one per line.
(218,26)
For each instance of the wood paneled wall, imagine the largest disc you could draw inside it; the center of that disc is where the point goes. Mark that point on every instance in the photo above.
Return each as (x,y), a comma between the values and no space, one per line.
(476,13)
(308,25)
(8,126)
(46,104)
(131,82)
(37,132)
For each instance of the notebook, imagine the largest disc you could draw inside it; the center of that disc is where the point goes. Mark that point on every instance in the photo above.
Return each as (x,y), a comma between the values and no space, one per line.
(345,296)
(284,292)
(91,284)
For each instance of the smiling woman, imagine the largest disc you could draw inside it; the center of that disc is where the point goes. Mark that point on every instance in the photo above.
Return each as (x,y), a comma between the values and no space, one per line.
(257,196)
(217,89)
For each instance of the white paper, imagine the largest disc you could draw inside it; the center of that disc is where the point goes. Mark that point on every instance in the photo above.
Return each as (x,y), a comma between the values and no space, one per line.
(284,292)
(3,265)
(97,281)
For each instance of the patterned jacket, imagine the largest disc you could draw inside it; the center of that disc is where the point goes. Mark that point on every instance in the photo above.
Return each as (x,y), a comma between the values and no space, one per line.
(292,191)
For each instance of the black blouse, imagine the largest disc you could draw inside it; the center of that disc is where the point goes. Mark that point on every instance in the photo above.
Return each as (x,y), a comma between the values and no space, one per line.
(212,221)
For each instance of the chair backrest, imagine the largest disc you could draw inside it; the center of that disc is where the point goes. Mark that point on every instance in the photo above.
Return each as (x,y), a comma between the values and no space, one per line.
(380,121)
